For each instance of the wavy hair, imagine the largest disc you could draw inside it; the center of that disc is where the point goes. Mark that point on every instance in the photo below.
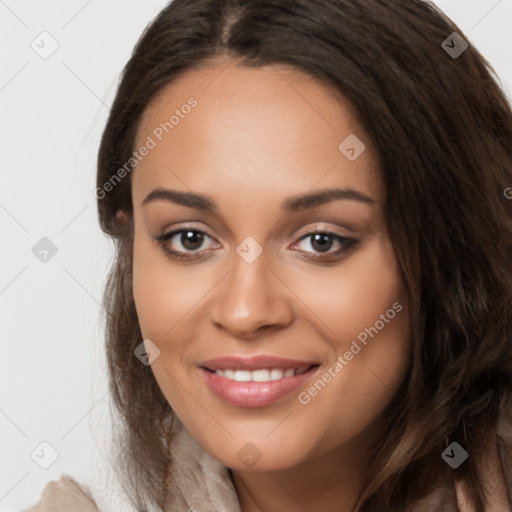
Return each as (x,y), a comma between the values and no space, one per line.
(442,127)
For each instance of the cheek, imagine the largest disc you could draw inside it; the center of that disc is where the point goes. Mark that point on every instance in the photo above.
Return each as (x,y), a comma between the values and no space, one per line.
(362,383)
(162,294)
(362,307)
(351,297)
(163,298)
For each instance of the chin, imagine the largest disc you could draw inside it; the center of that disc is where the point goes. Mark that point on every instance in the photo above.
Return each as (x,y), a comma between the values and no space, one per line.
(259,456)
(270,463)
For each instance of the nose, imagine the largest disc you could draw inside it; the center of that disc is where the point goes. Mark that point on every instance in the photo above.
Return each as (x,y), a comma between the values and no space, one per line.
(252,299)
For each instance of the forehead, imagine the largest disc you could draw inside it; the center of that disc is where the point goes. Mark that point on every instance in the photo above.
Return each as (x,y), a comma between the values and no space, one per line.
(272,130)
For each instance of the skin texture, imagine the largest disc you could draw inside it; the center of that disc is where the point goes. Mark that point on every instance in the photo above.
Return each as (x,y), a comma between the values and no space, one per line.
(256,137)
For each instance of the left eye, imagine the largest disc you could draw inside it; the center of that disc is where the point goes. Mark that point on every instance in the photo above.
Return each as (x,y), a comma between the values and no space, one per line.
(322,242)
(192,240)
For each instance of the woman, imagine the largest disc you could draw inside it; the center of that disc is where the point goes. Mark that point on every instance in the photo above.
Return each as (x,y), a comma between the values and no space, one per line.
(311,300)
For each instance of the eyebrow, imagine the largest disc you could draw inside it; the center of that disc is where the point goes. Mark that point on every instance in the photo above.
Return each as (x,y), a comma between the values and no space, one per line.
(295,203)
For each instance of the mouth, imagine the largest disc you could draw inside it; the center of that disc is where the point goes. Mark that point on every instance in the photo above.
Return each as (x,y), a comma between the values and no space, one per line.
(257,381)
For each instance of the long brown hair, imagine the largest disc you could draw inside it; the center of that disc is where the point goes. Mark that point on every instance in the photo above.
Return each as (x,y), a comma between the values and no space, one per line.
(443,130)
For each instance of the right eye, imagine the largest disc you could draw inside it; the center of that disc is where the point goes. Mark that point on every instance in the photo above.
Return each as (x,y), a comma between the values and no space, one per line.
(190,239)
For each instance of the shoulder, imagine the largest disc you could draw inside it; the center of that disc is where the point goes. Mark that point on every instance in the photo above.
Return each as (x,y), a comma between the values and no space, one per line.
(64,494)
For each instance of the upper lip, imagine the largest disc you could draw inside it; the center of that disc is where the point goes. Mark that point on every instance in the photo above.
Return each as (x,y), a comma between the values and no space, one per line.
(254,363)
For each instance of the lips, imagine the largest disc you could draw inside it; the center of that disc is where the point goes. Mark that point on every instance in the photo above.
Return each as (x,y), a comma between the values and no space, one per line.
(261,362)
(255,381)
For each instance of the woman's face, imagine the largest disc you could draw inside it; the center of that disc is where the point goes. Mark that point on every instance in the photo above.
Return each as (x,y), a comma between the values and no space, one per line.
(252,164)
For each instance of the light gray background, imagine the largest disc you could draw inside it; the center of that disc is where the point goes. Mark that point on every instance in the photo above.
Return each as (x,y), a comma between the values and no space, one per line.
(52,112)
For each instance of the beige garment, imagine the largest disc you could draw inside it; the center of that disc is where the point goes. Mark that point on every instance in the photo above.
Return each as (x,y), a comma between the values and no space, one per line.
(65,495)
(202,484)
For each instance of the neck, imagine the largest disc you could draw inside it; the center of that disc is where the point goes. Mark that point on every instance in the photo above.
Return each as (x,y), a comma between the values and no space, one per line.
(331,483)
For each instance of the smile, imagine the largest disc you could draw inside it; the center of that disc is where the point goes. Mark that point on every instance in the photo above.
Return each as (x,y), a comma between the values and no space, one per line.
(263,375)
(256,381)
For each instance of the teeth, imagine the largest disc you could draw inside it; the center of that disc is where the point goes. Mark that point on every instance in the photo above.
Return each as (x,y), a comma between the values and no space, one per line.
(260,375)
(229,374)
(264,375)
(276,374)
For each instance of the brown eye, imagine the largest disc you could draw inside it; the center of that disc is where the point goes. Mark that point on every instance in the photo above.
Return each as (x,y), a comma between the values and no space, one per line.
(191,240)
(322,242)
(183,243)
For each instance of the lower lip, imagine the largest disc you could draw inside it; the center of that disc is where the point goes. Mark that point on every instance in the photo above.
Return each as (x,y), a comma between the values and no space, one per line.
(254,394)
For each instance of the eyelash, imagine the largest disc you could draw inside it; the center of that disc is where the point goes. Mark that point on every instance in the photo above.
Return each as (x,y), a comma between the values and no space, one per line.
(348,244)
